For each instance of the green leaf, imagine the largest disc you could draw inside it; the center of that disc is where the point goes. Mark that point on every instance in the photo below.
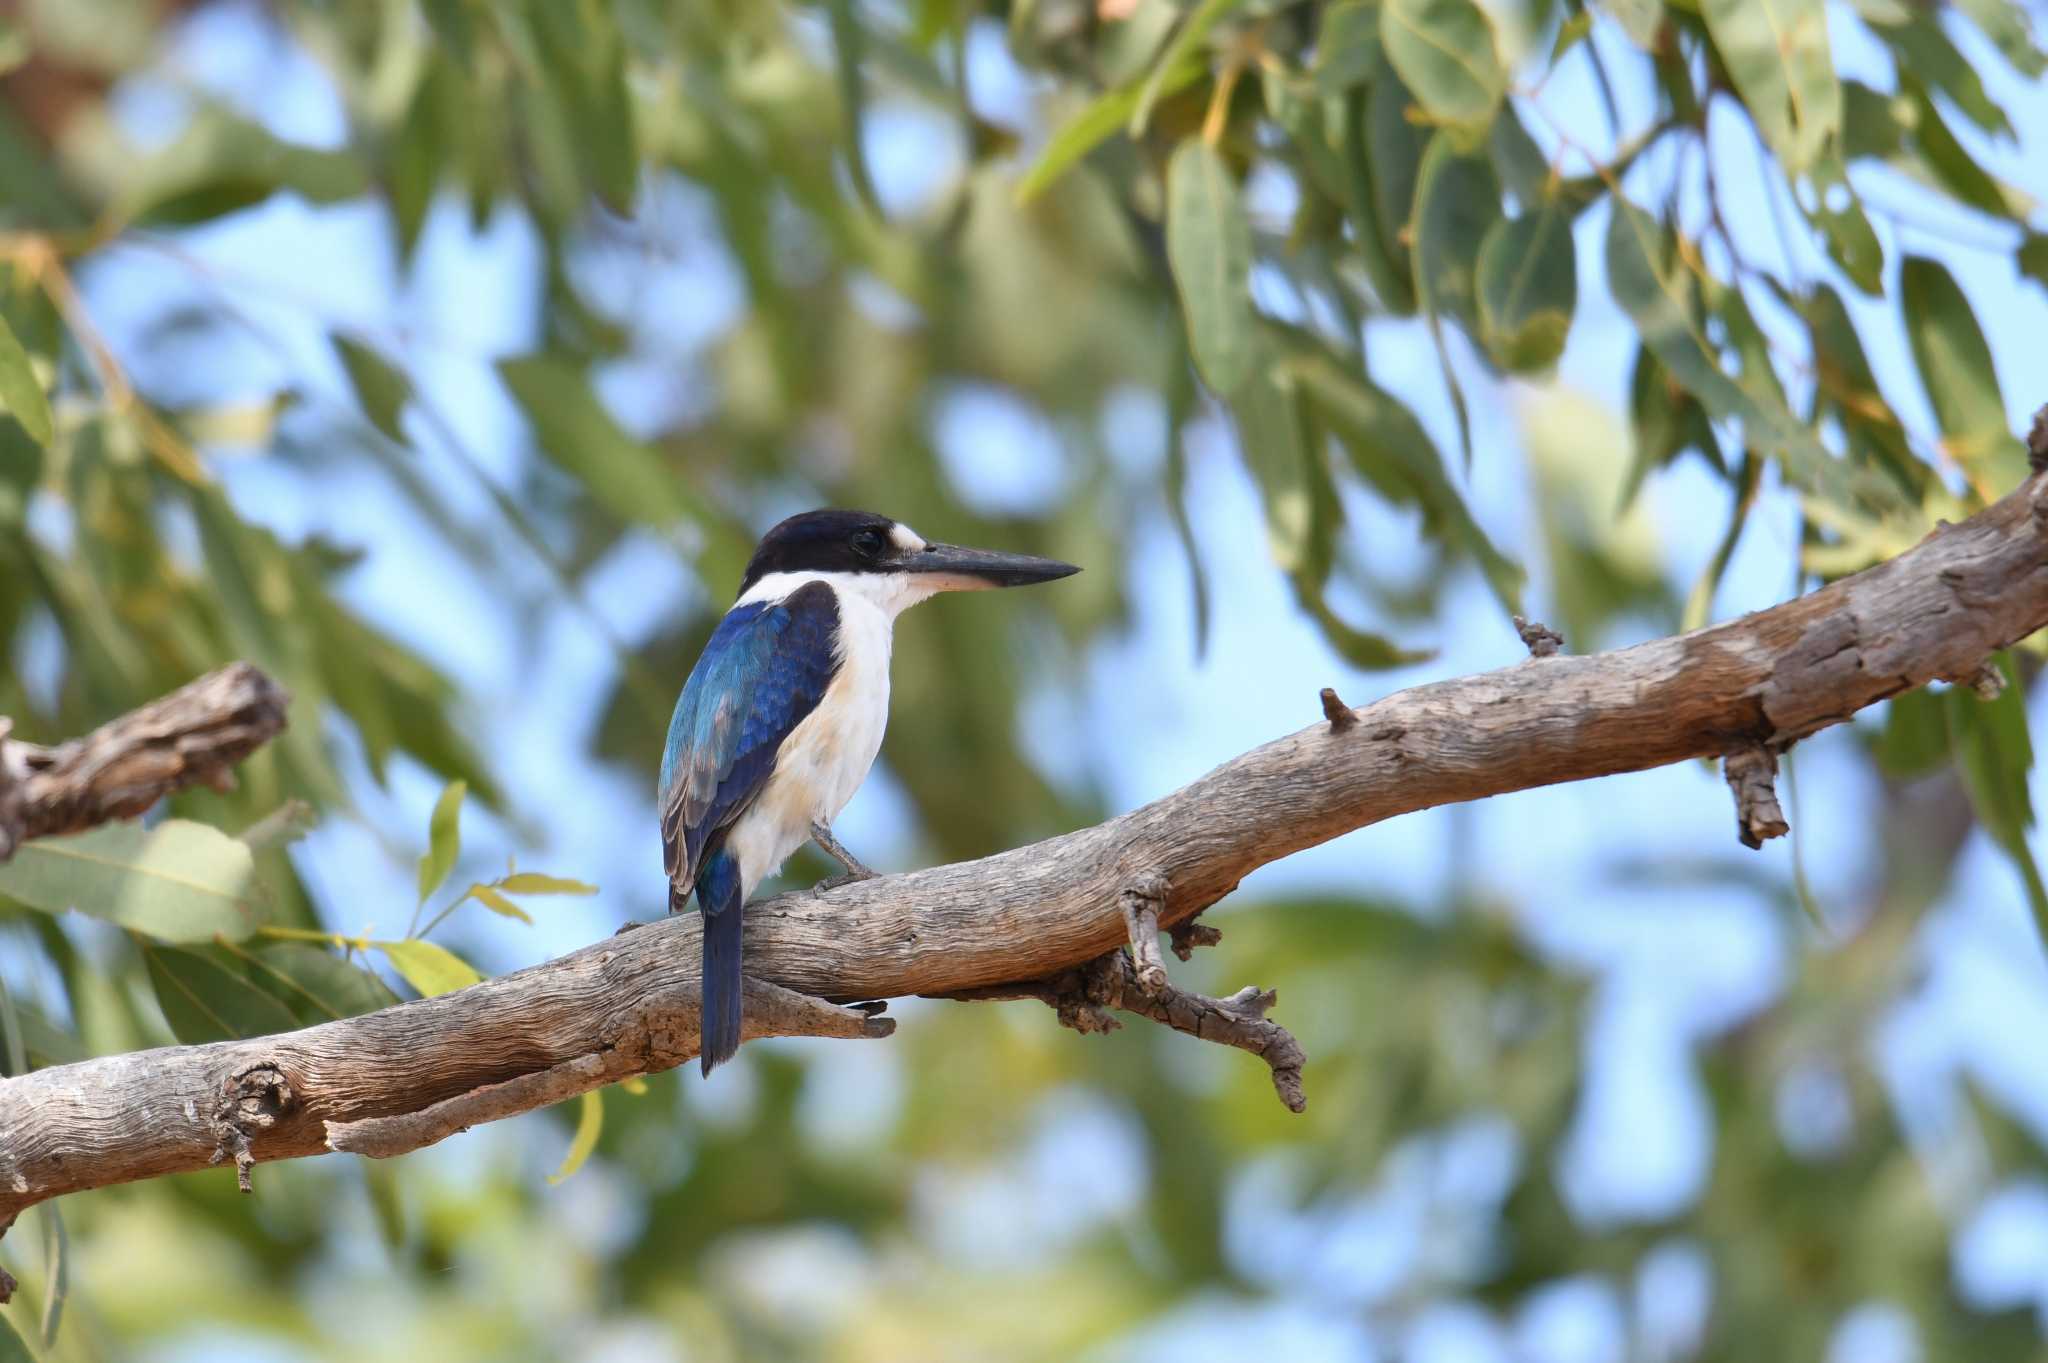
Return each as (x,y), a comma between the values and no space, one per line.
(1457,202)
(1348,51)
(533,882)
(1372,176)
(1924,49)
(381,388)
(589,1126)
(2006,24)
(282,826)
(205,998)
(1834,206)
(497,903)
(1278,454)
(178,882)
(1391,450)
(1993,756)
(1209,244)
(1446,53)
(1187,42)
(13,1348)
(444,838)
(428,966)
(1960,378)
(1104,117)
(1848,389)
(314,983)
(1652,287)
(1641,20)
(1667,421)
(1777,54)
(1528,287)
(573,428)
(2033,258)
(223,162)
(1570,34)
(57,1270)
(21,395)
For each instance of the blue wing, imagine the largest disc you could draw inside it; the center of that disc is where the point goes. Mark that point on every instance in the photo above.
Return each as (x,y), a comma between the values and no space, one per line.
(766,667)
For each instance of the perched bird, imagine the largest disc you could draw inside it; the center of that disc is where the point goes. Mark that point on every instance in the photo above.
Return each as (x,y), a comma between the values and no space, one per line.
(783,714)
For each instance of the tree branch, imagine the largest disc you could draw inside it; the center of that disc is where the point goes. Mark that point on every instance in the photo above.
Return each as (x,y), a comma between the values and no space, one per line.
(1027,915)
(193,736)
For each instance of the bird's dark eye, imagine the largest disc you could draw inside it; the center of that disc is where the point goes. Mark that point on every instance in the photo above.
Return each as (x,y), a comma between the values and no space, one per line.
(868,543)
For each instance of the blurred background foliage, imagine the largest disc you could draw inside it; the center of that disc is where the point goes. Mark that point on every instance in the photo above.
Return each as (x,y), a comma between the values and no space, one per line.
(444,357)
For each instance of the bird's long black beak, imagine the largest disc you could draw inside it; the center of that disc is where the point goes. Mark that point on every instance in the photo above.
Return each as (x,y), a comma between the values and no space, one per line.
(968,569)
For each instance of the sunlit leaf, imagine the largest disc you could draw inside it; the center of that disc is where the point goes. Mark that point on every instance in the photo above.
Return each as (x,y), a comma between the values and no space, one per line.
(1777,53)
(1446,53)
(589,1126)
(533,882)
(223,162)
(1994,756)
(21,394)
(1209,243)
(444,839)
(497,903)
(429,967)
(177,882)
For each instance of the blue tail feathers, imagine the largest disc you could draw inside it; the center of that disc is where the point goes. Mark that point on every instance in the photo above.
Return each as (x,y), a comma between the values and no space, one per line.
(718,895)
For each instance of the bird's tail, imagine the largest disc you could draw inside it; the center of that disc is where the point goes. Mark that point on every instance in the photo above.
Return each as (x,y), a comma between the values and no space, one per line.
(719,893)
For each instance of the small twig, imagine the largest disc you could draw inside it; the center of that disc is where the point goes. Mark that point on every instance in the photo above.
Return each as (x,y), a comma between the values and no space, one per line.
(1987,681)
(1750,772)
(1082,997)
(1541,640)
(1140,902)
(2037,442)
(1188,934)
(1340,715)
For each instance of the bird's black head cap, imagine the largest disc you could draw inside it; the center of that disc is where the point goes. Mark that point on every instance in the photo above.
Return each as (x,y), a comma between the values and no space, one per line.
(834,541)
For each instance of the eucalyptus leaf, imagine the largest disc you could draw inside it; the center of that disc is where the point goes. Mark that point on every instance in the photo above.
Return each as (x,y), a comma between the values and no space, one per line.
(177,882)
(1777,53)
(205,998)
(1447,54)
(444,839)
(429,967)
(21,393)
(1209,243)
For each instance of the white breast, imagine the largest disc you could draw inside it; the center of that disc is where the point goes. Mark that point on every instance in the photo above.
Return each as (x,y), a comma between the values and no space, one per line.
(826,757)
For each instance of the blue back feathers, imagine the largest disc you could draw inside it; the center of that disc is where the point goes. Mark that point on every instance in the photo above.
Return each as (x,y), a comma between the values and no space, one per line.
(766,667)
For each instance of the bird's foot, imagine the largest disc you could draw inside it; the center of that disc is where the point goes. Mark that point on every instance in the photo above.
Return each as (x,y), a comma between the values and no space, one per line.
(855,868)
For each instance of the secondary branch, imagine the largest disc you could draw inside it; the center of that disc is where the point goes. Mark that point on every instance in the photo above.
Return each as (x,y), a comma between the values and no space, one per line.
(627,1005)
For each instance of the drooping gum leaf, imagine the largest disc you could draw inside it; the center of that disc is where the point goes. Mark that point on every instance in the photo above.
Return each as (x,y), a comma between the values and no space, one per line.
(1777,53)
(1961,380)
(177,882)
(1209,243)
(381,389)
(1102,119)
(589,1126)
(1187,42)
(21,396)
(497,903)
(1528,286)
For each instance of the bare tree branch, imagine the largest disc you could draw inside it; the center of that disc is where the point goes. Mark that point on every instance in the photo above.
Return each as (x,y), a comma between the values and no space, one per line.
(193,736)
(1936,612)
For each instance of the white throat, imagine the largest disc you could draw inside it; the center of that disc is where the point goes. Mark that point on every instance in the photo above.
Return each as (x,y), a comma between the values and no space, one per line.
(889,593)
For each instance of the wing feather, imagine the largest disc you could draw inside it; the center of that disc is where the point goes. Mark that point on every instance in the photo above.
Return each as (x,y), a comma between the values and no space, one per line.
(766,667)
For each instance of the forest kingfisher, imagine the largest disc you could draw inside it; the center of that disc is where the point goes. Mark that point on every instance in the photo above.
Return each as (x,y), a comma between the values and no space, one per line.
(783,714)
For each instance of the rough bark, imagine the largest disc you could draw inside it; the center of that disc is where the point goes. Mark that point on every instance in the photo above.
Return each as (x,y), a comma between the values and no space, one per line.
(627,1005)
(193,736)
